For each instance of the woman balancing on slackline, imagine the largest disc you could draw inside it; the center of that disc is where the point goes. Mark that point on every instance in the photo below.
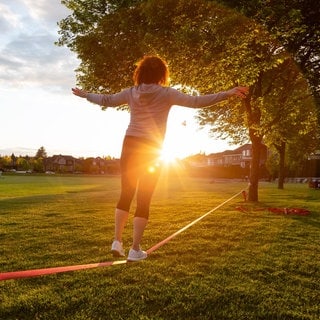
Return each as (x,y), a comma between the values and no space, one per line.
(149,100)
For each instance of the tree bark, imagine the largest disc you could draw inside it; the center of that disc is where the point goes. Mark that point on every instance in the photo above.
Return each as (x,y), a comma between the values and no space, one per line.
(255,168)
(282,151)
(254,116)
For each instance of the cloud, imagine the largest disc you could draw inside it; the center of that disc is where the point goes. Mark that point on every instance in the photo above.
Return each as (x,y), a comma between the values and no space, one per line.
(46,11)
(35,60)
(28,56)
(8,19)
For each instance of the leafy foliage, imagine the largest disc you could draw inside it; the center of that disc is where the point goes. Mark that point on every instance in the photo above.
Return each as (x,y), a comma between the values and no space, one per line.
(296,25)
(41,153)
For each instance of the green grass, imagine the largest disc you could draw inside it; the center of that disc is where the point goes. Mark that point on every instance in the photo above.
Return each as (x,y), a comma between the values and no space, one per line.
(230,265)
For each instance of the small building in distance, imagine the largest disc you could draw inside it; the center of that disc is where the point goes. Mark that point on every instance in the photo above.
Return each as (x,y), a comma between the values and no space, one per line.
(227,164)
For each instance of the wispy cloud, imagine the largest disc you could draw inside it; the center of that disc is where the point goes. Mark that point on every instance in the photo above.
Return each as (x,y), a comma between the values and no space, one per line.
(48,12)
(28,55)
(8,19)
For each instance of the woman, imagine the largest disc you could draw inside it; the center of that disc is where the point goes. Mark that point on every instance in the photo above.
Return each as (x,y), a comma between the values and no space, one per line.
(149,101)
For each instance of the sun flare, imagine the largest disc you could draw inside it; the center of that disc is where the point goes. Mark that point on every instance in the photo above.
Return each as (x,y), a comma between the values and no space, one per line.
(183,137)
(168,156)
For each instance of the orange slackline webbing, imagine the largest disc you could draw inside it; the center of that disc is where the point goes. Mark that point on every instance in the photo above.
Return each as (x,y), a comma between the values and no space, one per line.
(46,271)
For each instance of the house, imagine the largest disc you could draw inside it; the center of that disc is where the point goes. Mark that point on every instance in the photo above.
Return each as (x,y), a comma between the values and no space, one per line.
(227,164)
(60,163)
(68,164)
(239,157)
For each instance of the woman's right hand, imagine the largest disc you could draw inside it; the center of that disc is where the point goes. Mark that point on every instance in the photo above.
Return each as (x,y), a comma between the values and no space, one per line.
(240,92)
(79,92)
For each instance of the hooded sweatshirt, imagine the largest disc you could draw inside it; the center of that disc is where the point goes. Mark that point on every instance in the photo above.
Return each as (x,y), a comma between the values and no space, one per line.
(149,106)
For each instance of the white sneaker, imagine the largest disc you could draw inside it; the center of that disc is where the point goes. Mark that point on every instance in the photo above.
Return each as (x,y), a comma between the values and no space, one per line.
(117,249)
(136,255)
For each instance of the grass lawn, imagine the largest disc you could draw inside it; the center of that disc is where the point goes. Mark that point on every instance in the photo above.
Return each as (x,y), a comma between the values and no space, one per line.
(233,264)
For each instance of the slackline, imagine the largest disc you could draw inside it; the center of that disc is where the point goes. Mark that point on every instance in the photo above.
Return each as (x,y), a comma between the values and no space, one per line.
(53,270)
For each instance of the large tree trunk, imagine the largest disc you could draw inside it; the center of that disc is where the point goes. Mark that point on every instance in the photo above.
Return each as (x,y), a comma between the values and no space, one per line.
(255,168)
(254,116)
(282,151)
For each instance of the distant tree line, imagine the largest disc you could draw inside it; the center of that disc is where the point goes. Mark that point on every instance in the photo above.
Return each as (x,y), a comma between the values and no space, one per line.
(41,163)
(23,163)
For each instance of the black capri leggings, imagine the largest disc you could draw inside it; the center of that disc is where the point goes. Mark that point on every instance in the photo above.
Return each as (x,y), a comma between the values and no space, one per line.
(140,170)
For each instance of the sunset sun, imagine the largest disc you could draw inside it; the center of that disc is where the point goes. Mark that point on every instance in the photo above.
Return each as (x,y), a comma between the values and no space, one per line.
(169,155)
(180,139)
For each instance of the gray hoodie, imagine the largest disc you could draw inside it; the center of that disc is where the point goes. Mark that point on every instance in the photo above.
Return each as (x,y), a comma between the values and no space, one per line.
(149,106)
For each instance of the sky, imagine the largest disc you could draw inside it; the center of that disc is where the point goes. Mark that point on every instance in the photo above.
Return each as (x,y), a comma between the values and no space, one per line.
(38,109)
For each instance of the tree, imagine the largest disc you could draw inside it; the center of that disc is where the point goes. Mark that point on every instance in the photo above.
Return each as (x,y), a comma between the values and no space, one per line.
(5,162)
(41,153)
(290,116)
(23,163)
(37,165)
(208,47)
(13,161)
(38,161)
(296,25)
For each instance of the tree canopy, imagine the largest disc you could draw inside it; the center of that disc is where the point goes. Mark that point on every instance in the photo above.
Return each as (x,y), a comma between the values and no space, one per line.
(190,35)
(296,25)
(41,153)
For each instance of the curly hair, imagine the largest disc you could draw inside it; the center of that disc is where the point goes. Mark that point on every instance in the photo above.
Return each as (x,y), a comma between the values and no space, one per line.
(151,69)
